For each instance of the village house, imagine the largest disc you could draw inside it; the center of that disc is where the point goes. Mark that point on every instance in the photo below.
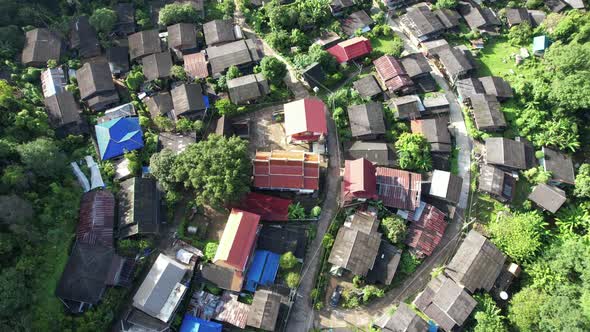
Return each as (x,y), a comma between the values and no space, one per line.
(305,120)
(118,59)
(281,240)
(139,207)
(487,113)
(144,43)
(378,153)
(64,114)
(263,270)
(498,183)
(182,37)
(41,45)
(367,86)
(240,53)
(436,104)
(393,76)
(117,136)
(125,24)
(247,88)
(191,323)
(351,49)
(467,88)
(445,302)
(479,18)
(456,63)
(160,104)
(421,24)
(357,21)
(477,263)
(398,189)
(497,87)
(96,85)
(448,17)
(53,81)
(555,6)
(547,197)
(537,17)
(407,107)
(337,7)
(83,38)
(359,182)
(357,244)
(418,70)
(427,227)
(385,266)
(219,31)
(366,120)
(328,39)
(397,4)
(516,16)
(189,101)
(403,319)
(314,75)
(559,165)
(269,208)
(287,170)
(507,153)
(195,65)
(436,132)
(157,66)
(264,310)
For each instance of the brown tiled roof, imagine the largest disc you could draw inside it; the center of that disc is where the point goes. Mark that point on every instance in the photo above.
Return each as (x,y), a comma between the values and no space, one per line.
(236,53)
(264,310)
(436,131)
(354,250)
(83,37)
(487,112)
(392,73)
(367,86)
(496,86)
(97,218)
(218,31)
(505,152)
(188,98)
(355,21)
(159,104)
(94,78)
(247,88)
(560,165)
(62,109)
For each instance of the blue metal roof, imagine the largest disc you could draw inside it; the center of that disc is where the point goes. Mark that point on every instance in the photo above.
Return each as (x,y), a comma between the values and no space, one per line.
(118,135)
(191,323)
(263,270)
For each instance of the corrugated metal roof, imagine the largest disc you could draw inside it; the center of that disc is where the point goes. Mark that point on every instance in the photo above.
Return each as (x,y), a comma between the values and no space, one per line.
(269,208)
(351,49)
(305,116)
(291,170)
(238,239)
(263,270)
(398,189)
(359,180)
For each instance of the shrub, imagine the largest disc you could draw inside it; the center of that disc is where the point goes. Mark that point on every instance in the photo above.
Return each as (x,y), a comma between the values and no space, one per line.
(413,151)
(288,261)
(394,228)
(296,211)
(210,250)
(292,279)
(316,211)
(226,107)
(178,73)
(103,20)
(327,241)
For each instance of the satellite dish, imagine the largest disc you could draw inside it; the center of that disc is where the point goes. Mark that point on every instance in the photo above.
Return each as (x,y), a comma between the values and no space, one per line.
(504,295)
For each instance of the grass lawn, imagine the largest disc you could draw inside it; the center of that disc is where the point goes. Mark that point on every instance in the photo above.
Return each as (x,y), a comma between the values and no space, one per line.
(496,58)
(387,45)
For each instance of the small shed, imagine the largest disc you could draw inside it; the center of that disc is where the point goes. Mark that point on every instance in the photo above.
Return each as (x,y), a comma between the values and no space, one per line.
(264,310)
(407,107)
(560,165)
(195,65)
(263,270)
(496,182)
(548,197)
(314,75)
(446,186)
(540,44)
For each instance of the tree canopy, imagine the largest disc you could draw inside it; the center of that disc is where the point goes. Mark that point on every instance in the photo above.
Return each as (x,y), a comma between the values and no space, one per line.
(178,13)
(273,69)
(519,235)
(413,152)
(103,20)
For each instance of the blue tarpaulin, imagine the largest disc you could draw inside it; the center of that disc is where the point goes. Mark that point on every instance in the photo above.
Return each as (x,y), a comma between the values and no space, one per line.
(191,323)
(118,135)
(263,270)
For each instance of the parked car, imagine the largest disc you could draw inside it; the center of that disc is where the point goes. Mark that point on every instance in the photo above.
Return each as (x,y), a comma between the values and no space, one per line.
(336,295)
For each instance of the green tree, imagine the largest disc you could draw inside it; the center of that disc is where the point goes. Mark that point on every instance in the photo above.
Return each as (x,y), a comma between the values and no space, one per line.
(134,160)
(394,228)
(226,107)
(14,292)
(162,166)
(521,34)
(103,20)
(327,241)
(279,40)
(519,235)
(184,125)
(198,126)
(178,73)
(210,250)
(488,316)
(288,261)
(135,79)
(296,211)
(524,309)
(43,157)
(163,123)
(445,4)
(178,13)
(232,72)
(273,69)
(371,291)
(292,279)
(413,152)
(12,40)
(218,169)
(582,186)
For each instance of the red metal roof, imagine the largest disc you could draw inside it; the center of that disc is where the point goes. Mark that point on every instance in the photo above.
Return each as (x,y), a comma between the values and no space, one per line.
(97,218)
(238,239)
(398,189)
(290,170)
(305,119)
(269,208)
(351,49)
(426,233)
(359,180)
(195,65)
(392,73)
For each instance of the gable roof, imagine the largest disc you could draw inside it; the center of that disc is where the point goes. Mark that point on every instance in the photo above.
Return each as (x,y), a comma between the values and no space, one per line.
(454,60)
(144,43)
(125,18)
(191,323)
(477,263)
(448,17)
(238,239)
(354,250)
(159,103)
(366,119)
(487,112)
(359,180)
(161,290)
(118,58)
(421,22)
(338,5)
(468,87)
(436,101)
(378,153)
(355,21)
(182,36)
(555,6)
(404,319)
(398,189)
(157,65)
(187,98)
(263,270)
(247,88)
(62,109)
(223,277)
(415,65)
(476,16)
(85,275)
(436,132)
(97,218)
(83,37)
(264,310)
(364,221)
(305,115)
(406,107)
(236,53)
(291,170)
(93,78)
(116,136)
(496,86)
(283,239)
(446,186)
(40,46)
(505,152)
(139,202)
(516,16)
(270,208)
(426,230)
(195,65)
(314,74)
(351,49)
(218,31)
(367,86)
(386,263)
(548,197)
(559,164)
(492,180)
(392,73)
